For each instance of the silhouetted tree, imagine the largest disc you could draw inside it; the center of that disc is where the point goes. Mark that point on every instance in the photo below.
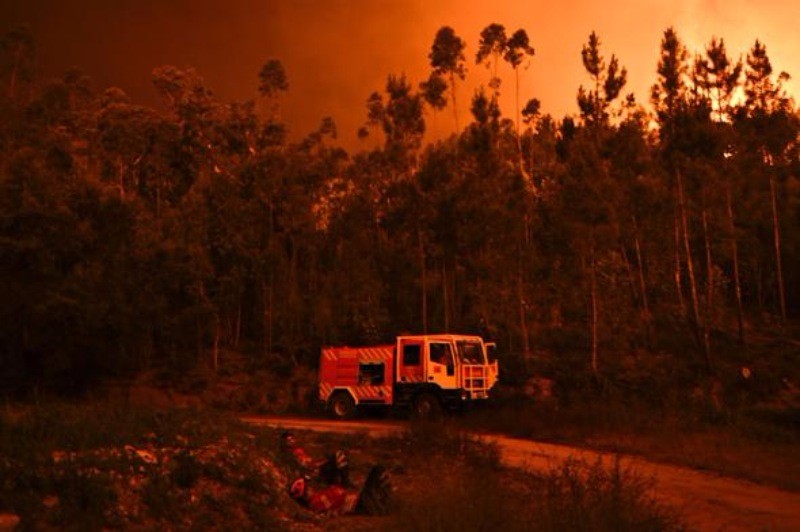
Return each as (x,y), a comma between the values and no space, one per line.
(769,123)
(447,59)
(608,83)
(669,97)
(491,47)
(517,50)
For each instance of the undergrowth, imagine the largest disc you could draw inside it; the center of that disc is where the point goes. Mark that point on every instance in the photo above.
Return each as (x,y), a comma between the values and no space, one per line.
(461,485)
(93,467)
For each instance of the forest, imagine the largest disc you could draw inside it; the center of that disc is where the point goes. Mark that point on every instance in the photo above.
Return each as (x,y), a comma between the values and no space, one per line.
(657,238)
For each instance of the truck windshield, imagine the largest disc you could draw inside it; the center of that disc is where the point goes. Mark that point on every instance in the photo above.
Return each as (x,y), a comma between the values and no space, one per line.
(470,352)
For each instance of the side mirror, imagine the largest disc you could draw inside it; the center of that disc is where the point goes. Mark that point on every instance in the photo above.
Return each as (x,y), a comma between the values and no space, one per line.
(451,369)
(491,351)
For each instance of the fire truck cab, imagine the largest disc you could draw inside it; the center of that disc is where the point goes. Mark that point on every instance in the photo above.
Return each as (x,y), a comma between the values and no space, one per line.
(424,372)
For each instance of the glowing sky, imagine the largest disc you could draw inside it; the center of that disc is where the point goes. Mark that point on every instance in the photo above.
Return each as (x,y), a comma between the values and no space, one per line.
(336,52)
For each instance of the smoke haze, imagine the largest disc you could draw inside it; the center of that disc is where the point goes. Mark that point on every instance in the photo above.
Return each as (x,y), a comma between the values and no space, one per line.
(337,52)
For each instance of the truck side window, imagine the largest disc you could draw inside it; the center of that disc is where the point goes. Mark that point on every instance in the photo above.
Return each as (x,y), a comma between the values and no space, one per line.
(411,354)
(441,354)
(371,373)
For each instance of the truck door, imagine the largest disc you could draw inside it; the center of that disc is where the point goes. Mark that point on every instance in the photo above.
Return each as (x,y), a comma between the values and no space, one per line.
(441,365)
(409,361)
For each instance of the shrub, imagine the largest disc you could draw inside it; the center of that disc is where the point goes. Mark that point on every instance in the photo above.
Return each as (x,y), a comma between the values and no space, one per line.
(590,497)
(83,499)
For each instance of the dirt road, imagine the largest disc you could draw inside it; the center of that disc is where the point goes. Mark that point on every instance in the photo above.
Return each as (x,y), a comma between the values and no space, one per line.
(708,501)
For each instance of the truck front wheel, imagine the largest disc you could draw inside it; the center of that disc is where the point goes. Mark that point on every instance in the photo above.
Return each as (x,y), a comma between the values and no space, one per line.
(427,406)
(341,405)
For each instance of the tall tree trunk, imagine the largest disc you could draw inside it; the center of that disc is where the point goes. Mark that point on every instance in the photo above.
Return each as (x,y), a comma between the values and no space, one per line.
(291,311)
(237,328)
(266,305)
(709,286)
(593,295)
(520,158)
(735,258)
(215,349)
(677,244)
(758,273)
(695,322)
(777,239)
(121,178)
(446,294)
(628,272)
(523,318)
(453,97)
(200,300)
(516,105)
(12,83)
(642,283)
(158,202)
(423,281)
(267,282)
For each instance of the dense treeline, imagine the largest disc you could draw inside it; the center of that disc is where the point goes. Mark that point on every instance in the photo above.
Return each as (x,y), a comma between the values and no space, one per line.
(133,237)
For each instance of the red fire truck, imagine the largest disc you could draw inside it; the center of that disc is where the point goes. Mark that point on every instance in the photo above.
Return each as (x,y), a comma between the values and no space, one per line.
(425,372)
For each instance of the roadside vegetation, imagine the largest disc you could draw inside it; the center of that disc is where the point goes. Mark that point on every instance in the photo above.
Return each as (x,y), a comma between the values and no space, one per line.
(109,466)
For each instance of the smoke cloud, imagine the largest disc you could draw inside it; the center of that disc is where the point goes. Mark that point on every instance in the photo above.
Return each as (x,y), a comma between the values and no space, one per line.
(337,52)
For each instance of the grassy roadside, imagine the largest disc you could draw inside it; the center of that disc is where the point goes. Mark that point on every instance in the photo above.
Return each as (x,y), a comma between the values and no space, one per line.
(751,445)
(446,480)
(100,466)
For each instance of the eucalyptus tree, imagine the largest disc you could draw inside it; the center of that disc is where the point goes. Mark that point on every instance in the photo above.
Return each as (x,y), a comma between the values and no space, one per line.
(403,121)
(491,48)
(122,140)
(404,127)
(194,110)
(433,92)
(531,117)
(494,236)
(205,147)
(272,82)
(518,49)
(236,231)
(447,59)
(272,78)
(69,310)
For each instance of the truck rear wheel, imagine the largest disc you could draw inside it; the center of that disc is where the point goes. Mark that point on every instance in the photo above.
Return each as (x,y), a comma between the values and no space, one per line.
(427,406)
(341,405)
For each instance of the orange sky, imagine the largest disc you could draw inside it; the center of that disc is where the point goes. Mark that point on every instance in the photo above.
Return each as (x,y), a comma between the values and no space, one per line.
(337,52)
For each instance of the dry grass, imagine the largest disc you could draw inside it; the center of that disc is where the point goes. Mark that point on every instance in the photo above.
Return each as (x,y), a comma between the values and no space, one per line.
(740,444)
(448,481)
(771,463)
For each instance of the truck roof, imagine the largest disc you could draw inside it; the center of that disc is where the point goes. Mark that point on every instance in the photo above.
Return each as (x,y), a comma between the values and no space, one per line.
(442,336)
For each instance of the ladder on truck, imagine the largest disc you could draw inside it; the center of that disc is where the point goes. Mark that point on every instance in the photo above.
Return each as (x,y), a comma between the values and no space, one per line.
(475,380)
